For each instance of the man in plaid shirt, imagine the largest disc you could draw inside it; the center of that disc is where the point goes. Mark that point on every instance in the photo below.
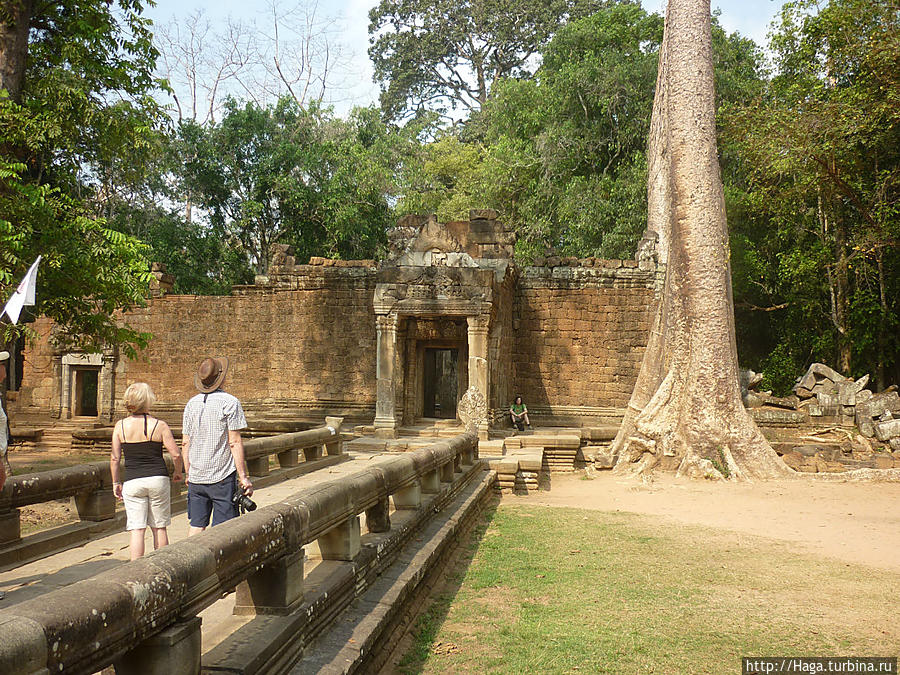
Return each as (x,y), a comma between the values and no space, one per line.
(212,448)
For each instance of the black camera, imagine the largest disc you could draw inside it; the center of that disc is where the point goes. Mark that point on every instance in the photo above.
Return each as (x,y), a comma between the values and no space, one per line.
(242,502)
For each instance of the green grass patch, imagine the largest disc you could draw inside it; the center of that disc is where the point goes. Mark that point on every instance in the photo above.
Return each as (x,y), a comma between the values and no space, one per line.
(564,590)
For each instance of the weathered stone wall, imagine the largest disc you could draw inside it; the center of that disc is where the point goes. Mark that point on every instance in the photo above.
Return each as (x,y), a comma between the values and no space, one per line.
(309,346)
(39,384)
(302,343)
(580,332)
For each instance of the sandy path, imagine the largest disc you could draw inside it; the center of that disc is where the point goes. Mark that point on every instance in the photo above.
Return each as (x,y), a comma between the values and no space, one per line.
(853,522)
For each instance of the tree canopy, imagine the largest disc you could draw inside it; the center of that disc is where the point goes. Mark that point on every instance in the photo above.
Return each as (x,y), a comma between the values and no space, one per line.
(77,110)
(819,198)
(447,54)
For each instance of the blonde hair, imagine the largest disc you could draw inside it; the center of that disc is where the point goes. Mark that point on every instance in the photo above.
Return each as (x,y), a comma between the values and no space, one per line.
(138,398)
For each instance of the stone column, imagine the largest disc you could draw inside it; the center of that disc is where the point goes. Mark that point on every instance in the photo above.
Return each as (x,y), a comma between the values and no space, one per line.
(478,365)
(385,372)
(106,387)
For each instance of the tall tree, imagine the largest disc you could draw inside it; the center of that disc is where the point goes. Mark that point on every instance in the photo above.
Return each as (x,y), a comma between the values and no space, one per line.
(693,421)
(78,101)
(446,54)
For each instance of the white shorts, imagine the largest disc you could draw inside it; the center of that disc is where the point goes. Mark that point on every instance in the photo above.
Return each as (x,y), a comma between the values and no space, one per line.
(147,502)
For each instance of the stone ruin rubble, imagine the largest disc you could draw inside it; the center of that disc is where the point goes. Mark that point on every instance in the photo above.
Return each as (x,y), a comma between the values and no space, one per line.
(824,397)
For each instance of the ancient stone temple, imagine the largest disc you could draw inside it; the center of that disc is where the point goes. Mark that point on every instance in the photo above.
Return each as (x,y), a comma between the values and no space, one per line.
(385,345)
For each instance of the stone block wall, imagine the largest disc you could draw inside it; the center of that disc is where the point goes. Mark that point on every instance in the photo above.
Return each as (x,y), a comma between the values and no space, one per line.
(302,343)
(308,345)
(580,332)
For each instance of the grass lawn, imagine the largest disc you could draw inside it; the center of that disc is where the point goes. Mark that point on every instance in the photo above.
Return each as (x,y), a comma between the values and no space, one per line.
(551,590)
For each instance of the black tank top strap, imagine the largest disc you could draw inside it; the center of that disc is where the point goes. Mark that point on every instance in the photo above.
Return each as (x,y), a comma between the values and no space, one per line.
(145,426)
(154,429)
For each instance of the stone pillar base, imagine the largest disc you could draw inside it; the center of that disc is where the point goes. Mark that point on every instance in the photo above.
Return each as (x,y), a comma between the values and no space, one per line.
(97,505)
(315,452)
(378,518)
(175,649)
(10,527)
(258,466)
(275,589)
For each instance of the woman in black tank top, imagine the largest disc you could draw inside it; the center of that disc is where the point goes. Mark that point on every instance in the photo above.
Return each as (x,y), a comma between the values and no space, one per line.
(145,489)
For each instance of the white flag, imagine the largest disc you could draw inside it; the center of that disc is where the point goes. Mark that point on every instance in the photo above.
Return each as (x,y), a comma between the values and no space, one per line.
(24,294)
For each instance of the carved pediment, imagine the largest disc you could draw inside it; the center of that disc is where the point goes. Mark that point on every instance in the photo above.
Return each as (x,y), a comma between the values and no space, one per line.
(435,238)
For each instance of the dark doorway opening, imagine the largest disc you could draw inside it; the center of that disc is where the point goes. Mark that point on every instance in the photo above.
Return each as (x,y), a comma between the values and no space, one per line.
(86,385)
(441,383)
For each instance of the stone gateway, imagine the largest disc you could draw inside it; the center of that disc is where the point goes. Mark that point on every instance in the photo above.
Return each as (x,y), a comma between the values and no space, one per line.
(385,344)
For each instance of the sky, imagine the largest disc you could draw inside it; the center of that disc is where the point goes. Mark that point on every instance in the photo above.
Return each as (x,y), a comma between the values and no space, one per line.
(751,18)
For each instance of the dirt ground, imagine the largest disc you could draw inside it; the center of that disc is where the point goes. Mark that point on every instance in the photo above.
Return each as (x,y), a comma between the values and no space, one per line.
(855,522)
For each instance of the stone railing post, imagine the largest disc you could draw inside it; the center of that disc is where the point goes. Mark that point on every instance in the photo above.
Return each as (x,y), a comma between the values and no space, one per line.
(378,518)
(336,446)
(313,452)
(10,527)
(431,482)
(175,649)
(258,466)
(341,542)
(289,458)
(96,505)
(277,588)
(409,497)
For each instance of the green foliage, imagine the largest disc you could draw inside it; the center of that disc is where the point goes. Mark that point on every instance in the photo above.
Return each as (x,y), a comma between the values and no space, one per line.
(85,110)
(445,54)
(819,192)
(562,156)
(293,175)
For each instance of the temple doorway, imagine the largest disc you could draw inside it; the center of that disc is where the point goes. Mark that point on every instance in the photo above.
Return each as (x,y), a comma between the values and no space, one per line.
(440,382)
(86,386)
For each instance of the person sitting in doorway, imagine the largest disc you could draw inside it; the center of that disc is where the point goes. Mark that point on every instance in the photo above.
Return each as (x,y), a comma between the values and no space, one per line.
(145,490)
(519,414)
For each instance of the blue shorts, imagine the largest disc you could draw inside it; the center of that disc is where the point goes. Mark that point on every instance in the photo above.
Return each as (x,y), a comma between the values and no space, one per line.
(214,498)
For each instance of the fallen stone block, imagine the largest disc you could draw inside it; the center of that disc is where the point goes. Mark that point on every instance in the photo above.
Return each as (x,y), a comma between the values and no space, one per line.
(885,431)
(816,374)
(603,458)
(867,411)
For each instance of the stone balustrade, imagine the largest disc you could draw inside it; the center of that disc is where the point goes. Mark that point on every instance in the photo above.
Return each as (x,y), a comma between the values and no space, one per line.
(91,484)
(142,616)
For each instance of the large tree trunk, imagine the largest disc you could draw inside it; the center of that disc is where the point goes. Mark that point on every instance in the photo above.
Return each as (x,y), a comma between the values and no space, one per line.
(14,45)
(686,412)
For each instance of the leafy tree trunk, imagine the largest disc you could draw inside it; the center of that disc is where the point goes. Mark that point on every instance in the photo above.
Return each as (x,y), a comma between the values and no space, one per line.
(15,20)
(686,412)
